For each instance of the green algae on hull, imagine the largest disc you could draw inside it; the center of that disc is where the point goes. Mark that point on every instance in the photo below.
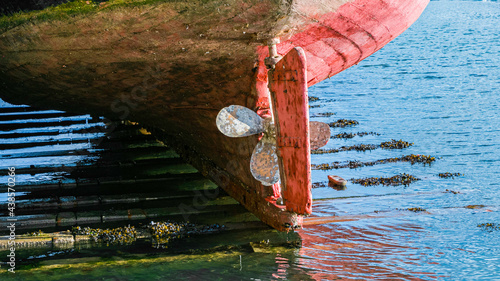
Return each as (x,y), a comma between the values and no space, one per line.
(67,10)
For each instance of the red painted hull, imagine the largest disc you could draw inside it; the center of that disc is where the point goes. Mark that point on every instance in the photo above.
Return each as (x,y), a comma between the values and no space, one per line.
(174,74)
(291,115)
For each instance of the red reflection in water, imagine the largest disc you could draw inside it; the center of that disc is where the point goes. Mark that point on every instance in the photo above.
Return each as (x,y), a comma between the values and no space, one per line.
(332,252)
(283,265)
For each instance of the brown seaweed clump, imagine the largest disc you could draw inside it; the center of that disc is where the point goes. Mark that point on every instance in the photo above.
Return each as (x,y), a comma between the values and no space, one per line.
(323,114)
(452,191)
(343,123)
(35,233)
(416,209)
(357,164)
(365,147)
(318,184)
(474,206)
(394,144)
(425,159)
(449,175)
(358,147)
(401,179)
(122,235)
(325,151)
(489,226)
(345,135)
(312,98)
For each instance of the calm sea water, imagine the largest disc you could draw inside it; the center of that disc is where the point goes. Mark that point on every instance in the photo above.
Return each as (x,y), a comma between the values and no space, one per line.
(438,86)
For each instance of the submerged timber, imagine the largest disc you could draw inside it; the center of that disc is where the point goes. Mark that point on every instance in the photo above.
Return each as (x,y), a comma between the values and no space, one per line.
(173,65)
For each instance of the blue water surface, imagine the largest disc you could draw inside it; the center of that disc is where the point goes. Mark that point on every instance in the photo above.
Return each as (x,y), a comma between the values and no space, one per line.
(438,86)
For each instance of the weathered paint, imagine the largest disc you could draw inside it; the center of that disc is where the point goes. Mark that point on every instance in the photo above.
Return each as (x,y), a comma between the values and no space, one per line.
(288,84)
(336,180)
(176,71)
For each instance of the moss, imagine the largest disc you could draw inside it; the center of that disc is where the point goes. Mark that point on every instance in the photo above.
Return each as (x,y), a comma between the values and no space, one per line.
(51,13)
(80,7)
(69,9)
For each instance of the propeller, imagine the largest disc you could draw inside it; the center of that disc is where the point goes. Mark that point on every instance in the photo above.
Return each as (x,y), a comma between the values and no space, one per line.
(238,121)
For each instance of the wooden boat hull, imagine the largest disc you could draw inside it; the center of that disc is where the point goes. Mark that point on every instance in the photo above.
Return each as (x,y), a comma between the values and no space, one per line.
(172,66)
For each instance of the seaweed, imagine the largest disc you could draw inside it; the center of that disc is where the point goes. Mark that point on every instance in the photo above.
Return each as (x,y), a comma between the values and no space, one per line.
(121,235)
(412,158)
(345,135)
(323,114)
(343,123)
(358,147)
(162,232)
(401,179)
(449,175)
(474,206)
(490,226)
(394,144)
(416,209)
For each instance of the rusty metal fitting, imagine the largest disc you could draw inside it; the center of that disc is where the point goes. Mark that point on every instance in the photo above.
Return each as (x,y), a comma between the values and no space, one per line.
(273,58)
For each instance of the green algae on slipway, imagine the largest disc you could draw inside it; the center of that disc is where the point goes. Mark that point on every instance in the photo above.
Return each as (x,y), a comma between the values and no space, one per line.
(141,266)
(200,257)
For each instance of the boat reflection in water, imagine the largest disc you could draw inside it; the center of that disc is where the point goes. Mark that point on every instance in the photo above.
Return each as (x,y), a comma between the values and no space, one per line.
(356,250)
